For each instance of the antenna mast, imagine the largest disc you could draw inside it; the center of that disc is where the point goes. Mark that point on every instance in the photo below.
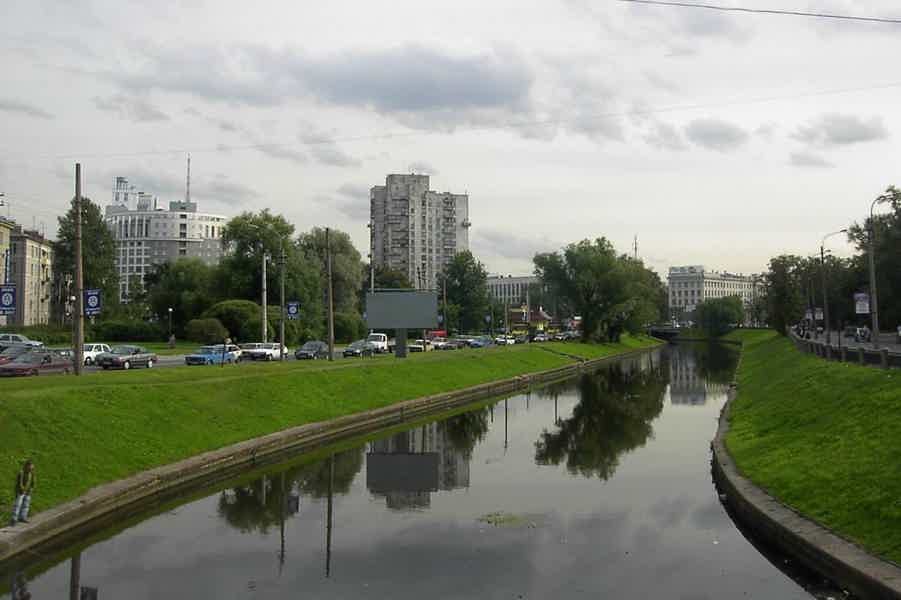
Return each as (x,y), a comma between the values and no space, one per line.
(188,182)
(635,247)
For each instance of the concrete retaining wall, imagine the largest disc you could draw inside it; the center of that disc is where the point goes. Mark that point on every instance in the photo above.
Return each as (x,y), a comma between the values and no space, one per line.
(103,504)
(833,557)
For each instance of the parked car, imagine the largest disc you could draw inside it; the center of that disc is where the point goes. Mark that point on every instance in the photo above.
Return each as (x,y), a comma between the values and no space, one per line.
(36,362)
(126,357)
(312,350)
(13,352)
(505,340)
(849,332)
(480,342)
(440,343)
(540,337)
(379,340)
(419,345)
(211,355)
(898,340)
(17,339)
(521,339)
(266,351)
(92,351)
(359,349)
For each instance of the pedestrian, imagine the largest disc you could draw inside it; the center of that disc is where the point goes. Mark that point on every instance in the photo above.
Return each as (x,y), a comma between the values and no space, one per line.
(25,481)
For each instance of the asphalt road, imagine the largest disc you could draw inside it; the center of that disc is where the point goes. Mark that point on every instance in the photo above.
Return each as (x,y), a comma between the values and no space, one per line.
(178,360)
(886,340)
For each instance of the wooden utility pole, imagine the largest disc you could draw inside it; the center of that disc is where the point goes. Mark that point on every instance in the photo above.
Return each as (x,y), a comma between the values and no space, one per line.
(281,322)
(78,342)
(265,324)
(331,303)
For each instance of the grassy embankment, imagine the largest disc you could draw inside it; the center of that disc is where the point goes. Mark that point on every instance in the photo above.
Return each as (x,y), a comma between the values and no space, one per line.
(823,437)
(85,431)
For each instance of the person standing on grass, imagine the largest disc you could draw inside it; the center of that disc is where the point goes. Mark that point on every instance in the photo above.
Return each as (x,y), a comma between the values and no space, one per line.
(25,481)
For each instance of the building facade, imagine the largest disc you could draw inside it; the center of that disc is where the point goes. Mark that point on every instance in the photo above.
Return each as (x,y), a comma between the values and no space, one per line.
(30,268)
(6,232)
(510,289)
(416,230)
(691,285)
(148,234)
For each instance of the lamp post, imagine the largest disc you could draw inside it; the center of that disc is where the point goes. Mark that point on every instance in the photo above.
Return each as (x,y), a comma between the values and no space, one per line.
(371,257)
(825,293)
(874,306)
(170,321)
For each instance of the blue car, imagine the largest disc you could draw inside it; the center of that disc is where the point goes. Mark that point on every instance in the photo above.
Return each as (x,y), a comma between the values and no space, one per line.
(210,355)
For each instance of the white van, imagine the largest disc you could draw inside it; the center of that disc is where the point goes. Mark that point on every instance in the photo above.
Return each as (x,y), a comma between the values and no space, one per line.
(379,340)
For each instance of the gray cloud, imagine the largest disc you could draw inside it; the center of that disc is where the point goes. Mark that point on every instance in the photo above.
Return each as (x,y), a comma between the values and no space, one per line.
(421,166)
(324,150)
(808,159)
(841,130)
(15,106)
(354,190)
(355,208)
(221,190)
(666,137)
(510,245)
(131,108)
(716,134)
(283,152)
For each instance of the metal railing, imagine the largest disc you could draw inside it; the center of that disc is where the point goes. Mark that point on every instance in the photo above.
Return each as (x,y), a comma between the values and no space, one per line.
(883,357)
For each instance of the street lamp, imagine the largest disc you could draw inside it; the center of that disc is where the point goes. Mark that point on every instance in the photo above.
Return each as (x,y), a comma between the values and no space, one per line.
(371,257)
(825,294)
(170,322)
(874,306)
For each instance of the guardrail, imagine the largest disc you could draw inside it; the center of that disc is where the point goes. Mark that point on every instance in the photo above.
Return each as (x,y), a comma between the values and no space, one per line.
(872,357)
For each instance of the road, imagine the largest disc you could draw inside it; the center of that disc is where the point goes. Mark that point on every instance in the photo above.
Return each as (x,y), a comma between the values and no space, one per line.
(886,340)
(178,360)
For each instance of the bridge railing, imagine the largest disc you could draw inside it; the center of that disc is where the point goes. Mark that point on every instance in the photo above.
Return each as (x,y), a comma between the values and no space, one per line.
(883,357)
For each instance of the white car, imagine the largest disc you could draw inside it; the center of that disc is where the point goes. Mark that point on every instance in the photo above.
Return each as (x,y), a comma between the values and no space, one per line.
(17,339)
(91,351)
(505,340)
(379,340)
(265,351)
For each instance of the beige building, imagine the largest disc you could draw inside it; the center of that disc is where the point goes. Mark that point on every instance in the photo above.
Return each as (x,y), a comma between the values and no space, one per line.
(416,230)
(30,258)
(691,285)
(7,227)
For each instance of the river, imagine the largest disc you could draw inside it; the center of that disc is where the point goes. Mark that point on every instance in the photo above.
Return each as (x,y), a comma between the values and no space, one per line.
(597,487)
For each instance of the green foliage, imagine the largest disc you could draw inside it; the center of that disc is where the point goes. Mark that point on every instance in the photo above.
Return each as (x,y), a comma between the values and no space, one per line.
(347,270)
(349,326)
(613,294)
(240,317)
(48,334)
(206,331)
(185,285)
(466,280)
(716,316)
(121,330)
(822,437)
(98,255)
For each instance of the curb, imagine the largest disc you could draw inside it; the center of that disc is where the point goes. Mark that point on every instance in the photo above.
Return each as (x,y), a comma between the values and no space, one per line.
(816,547)
(99,505)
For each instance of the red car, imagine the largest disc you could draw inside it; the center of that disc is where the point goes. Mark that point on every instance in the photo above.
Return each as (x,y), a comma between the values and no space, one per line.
(36,362)
(13,352)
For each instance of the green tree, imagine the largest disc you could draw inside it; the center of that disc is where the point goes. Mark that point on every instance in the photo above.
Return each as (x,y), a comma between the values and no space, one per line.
(98,252)
(784,293)
(185,285)
(347,270)
(716,316)
(466,280)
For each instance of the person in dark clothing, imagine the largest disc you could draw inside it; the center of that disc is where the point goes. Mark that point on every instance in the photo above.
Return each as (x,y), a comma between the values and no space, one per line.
(25,481)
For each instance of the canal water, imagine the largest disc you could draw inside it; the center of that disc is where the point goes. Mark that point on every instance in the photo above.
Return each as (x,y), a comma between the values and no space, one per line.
(598,487)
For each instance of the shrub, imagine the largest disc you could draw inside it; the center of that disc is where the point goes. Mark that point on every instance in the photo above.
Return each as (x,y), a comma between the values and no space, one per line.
(50,335)
(348,326)
(126,331)
(240,317)
(205,331)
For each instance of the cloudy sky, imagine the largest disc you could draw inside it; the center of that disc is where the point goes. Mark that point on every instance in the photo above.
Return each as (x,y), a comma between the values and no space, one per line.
(719,139)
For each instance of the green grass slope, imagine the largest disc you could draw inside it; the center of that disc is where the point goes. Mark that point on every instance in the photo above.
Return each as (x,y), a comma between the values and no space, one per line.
(105,426)
(823,437)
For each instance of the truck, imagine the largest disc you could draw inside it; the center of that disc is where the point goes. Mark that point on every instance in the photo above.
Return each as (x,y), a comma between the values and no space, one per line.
(379,340)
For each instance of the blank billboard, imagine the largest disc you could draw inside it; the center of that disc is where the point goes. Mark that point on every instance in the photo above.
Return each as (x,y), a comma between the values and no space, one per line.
(405,309)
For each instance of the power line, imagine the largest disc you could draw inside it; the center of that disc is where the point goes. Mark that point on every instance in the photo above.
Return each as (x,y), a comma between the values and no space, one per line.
(510,125)
(795,13)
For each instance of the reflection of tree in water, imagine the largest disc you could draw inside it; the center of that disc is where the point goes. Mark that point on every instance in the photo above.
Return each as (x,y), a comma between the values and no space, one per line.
(715,362)
(259,504)
(465,430)
(613,416)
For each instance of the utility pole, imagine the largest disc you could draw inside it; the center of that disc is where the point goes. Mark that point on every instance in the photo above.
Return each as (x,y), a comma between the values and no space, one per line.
(331,303)
(825,292)
(281,321)
(78,342)
(874,307)
(264,326)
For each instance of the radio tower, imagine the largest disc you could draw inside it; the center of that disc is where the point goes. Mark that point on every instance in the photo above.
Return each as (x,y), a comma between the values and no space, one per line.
(188,182)
(635,248)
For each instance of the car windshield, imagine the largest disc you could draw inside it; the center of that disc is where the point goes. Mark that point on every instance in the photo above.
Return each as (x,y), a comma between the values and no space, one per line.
(250,346)
(376,337)
(358,344)
(123,350)
(13,351)
(208,350)
(310,346)
(29,358)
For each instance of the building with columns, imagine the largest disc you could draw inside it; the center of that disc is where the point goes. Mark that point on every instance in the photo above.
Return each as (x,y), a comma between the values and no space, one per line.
(691,285)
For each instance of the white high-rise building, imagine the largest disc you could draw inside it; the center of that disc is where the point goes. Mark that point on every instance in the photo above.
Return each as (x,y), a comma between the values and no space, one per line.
(148,234)
(416,230)
(691,285)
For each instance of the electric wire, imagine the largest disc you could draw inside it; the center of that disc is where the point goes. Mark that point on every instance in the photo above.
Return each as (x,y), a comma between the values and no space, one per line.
(767,11)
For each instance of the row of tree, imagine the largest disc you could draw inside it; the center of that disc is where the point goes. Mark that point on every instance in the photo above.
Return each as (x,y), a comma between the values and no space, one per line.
(795,284)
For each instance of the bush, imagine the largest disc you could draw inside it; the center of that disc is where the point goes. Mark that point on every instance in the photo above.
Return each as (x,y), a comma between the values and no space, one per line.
(348,327)
(206,331)
(125,331)
(51,336)
(240,317)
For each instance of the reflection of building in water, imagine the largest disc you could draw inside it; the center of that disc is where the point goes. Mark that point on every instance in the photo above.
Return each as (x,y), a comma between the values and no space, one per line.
(407,467)
(686,386)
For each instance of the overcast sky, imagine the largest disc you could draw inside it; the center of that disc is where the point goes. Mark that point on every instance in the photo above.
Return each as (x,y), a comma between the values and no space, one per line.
(719,139)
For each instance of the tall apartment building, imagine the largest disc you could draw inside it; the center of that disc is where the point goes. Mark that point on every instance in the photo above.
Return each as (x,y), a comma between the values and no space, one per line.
(510,289)
(416,230)
(29,263)
(148,234)
(691,285)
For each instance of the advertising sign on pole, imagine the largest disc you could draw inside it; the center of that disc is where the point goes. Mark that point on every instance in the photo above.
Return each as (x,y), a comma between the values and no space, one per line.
(861,303)
(818,314)
(808,315)
(293,310)
(8,299)
(92,303)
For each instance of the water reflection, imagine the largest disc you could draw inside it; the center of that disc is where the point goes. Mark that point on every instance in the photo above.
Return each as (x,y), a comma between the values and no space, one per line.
(406,468)
(700,370)
(613,416)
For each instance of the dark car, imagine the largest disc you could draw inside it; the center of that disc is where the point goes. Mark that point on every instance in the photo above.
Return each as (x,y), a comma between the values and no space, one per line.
(13,352)
(126,357)
(35,363)
(312,351)
(360,348)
